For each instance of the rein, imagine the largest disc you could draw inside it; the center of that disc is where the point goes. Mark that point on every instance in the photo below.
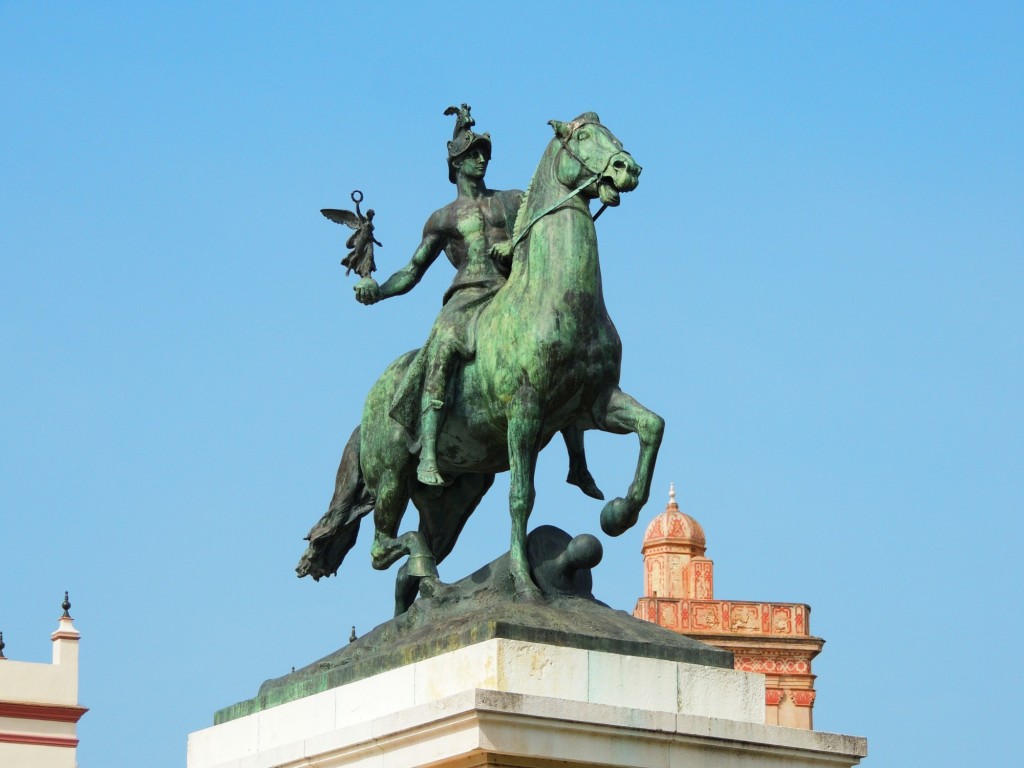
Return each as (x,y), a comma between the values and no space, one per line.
(549,209)
(596,175)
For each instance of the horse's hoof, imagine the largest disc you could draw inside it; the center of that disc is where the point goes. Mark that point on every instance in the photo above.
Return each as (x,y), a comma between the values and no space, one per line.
(586,483)
(422,565)
(615,517)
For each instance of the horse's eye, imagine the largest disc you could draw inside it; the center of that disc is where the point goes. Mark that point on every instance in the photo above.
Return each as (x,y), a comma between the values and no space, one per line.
(582,136)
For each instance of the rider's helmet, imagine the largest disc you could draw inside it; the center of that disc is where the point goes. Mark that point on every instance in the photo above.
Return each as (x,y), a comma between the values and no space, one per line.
(464,139)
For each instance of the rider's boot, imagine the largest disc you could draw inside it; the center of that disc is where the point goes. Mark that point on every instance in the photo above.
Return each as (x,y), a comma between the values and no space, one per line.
(430,423)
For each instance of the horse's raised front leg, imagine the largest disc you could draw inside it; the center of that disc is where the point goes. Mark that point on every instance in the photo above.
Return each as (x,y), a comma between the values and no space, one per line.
(524,423)
(579,474)
(622,414)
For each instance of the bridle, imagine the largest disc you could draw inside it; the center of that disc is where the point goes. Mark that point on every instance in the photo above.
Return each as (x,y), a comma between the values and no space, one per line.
(595,175)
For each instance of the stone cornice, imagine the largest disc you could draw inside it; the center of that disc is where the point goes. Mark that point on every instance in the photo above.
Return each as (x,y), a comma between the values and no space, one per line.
(38,739)
(61,713)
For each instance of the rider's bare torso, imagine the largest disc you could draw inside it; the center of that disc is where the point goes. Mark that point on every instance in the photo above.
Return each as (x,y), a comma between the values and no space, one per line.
(469,229)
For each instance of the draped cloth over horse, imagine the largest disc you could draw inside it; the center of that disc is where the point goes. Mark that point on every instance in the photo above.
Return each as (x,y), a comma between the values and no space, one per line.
(547,359)
(460,311)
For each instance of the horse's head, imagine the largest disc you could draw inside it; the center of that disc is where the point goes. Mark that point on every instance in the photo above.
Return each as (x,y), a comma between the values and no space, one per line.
(591,152)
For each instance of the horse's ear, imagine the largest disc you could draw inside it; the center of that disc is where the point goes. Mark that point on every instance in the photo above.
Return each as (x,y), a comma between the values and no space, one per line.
(561,129)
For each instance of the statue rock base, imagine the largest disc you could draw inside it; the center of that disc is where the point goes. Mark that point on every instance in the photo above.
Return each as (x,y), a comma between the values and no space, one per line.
(520,704)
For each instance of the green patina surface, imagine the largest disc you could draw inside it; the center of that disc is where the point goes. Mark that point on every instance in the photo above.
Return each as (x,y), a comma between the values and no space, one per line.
(589,626)
(522,350)
(482,607)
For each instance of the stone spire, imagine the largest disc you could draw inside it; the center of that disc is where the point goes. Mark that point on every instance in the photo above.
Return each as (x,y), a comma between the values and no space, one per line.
(65,637)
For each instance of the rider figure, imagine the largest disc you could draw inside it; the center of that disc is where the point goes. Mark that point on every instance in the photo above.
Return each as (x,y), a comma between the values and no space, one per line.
(467,230)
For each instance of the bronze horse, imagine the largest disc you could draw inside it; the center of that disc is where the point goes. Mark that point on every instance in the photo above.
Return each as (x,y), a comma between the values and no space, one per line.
(548,359)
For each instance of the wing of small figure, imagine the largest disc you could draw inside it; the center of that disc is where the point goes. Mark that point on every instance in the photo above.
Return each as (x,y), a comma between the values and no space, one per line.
(342,217)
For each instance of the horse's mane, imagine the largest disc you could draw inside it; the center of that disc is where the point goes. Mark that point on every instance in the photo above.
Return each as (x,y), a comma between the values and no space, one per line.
(523,217)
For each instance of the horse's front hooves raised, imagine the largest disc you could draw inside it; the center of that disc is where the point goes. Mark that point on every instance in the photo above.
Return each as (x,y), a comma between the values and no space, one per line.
(616,517)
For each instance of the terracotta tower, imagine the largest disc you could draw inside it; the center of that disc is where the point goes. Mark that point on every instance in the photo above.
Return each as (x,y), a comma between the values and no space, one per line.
(771,638)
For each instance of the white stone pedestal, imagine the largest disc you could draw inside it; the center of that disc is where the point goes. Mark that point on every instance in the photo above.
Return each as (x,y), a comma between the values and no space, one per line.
(516,704)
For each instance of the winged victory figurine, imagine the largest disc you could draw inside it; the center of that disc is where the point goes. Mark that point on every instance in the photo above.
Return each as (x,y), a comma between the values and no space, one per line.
(361,242)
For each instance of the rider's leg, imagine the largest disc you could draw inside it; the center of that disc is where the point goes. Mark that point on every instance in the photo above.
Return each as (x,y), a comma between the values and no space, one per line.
(430,424)
(434,386)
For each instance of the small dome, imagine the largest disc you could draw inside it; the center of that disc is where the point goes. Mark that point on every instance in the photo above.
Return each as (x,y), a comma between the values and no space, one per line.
(675,525)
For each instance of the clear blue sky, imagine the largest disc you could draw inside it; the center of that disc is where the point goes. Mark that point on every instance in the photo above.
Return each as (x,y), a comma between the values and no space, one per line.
(818,283)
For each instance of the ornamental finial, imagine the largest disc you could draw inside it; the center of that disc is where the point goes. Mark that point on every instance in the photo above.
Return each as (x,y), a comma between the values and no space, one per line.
(66,605)
(672,495)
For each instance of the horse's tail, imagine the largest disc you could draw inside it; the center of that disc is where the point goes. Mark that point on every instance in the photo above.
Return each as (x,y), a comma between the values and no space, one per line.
(335,534)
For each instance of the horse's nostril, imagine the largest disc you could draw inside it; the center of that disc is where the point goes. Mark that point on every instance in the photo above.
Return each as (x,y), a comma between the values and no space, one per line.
(619,165)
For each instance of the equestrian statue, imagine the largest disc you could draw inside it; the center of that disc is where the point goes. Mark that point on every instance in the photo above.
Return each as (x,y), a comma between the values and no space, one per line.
(522,349)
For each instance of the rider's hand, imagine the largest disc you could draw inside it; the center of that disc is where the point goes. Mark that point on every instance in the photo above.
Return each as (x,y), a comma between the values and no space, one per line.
(367,291)
(502,252)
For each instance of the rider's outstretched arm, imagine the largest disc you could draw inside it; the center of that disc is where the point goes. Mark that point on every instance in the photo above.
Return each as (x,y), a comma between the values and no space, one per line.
(368,292)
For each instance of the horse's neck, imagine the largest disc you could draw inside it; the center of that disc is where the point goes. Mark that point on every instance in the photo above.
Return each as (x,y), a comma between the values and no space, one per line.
(559,253)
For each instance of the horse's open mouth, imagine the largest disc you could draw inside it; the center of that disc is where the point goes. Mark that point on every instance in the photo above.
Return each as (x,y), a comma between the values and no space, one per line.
(607,192)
